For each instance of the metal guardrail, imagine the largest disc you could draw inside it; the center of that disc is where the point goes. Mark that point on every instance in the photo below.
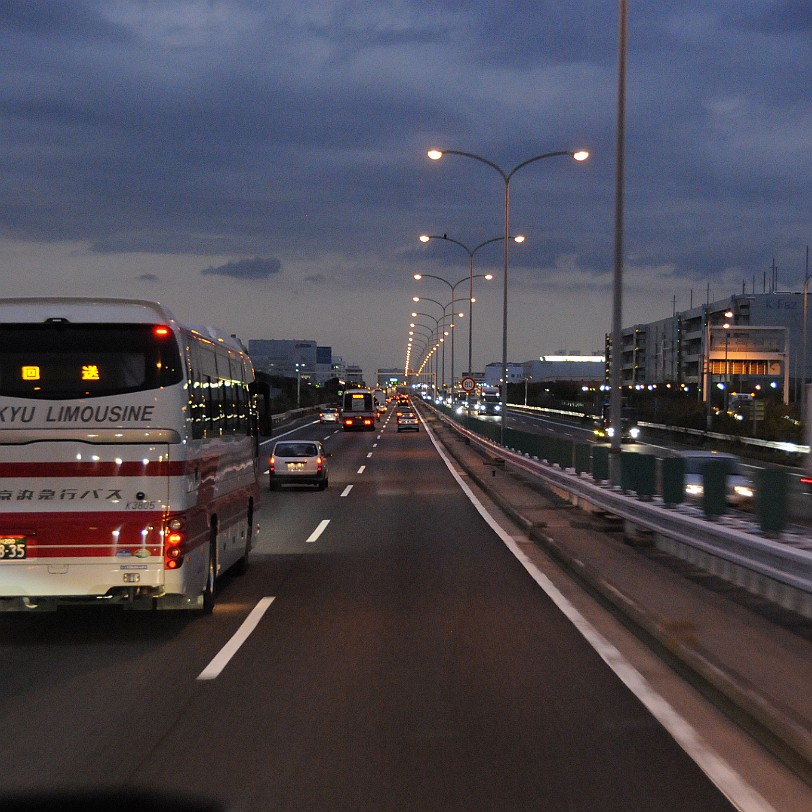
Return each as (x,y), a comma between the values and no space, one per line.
(776,445)
(780,568)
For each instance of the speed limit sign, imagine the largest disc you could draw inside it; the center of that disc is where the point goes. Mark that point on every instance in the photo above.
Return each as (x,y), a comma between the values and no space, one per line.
(468,384)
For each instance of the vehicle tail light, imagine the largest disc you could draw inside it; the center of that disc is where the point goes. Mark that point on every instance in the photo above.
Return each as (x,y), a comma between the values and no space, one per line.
(348,421)
(367,421)
(174,538)
(319,464)
(272,464)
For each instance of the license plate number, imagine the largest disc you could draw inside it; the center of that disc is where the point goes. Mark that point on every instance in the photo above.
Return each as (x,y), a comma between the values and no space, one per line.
(295,466)
(12,548)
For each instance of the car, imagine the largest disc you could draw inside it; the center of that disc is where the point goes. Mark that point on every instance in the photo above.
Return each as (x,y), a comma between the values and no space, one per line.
(407,421)
(629,430)
(298,462)
(329,414)
(740,489)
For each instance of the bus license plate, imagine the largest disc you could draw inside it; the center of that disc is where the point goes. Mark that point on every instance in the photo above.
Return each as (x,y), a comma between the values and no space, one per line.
(12,548)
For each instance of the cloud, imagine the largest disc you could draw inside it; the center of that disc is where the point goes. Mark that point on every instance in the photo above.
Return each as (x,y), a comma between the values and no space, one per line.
(255,268)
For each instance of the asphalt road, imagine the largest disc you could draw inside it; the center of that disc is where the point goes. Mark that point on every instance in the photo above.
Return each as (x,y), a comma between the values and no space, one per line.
(406,662)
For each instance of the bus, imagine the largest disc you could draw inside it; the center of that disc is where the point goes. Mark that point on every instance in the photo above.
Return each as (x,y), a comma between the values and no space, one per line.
(358,410)
(128,456)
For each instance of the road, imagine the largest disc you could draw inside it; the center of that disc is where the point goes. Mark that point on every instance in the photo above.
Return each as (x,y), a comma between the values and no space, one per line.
(407,662)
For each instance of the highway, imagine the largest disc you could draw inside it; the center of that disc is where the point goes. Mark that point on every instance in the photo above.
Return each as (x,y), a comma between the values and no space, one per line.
(401,658)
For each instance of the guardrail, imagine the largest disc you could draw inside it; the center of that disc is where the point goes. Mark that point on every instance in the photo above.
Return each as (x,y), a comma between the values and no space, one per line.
(775,445)
(779,569)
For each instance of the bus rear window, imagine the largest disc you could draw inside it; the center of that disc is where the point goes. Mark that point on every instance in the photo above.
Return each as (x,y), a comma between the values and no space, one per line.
(59,361)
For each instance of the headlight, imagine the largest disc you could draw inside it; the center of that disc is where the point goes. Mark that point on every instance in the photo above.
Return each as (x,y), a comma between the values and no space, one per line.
(634,433)
(694,490)
(743,490)
(498,407)
(610,432)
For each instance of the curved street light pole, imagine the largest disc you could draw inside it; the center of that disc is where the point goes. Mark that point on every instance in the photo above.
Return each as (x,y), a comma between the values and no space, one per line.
(470,251)
(435,155)
(444,317)
(453,288)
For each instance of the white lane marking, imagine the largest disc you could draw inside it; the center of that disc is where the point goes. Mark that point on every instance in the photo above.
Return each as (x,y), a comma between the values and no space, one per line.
(726,779)
(322,526)
(285,433)
(222,658)
(346,490)
(369,455)
(361,469)
(374,445)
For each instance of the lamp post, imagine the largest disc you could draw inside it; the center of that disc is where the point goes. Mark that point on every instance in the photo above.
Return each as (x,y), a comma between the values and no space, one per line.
(804,340)
(453,287)
(470,251)
(442,334)
(435,155)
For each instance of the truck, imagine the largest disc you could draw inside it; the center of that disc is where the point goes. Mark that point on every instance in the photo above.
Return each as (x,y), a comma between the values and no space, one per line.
(379,401)
(489,401)
(357,410)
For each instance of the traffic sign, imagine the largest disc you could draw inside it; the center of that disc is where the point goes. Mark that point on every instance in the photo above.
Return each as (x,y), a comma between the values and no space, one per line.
(468,384)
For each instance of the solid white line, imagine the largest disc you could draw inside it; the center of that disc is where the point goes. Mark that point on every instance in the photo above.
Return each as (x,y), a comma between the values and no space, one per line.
(346,490)
(361,469)
(726,779)
(221,660)
(322,526)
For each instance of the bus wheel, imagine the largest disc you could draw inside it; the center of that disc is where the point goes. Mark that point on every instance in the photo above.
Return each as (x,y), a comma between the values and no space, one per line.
(210,589)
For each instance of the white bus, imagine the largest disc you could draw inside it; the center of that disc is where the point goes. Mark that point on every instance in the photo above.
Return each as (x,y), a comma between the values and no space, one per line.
(128,456)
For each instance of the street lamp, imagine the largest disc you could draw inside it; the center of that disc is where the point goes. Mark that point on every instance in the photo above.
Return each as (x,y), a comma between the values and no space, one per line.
(453,287)
(445,332)
(470,251)
(435,155)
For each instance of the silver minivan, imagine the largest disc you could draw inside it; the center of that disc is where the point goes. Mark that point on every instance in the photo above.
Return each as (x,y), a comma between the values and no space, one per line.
(298,462)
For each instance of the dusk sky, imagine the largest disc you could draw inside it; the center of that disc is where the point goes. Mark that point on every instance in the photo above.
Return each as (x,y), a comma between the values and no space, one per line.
(260,165)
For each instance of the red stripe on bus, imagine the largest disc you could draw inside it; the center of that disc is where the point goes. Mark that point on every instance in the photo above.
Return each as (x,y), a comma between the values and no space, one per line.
(98,534)
(51,470)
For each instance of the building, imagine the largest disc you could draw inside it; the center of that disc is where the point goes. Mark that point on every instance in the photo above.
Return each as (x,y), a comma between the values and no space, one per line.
(290,358)
(745,343)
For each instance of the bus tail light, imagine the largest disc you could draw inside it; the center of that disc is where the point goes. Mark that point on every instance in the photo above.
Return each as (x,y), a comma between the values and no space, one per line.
(174,537)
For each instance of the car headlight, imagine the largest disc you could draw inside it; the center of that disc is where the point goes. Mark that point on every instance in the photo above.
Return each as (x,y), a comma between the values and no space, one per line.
(694,490)
(744,491)
(610,432)
(634,433)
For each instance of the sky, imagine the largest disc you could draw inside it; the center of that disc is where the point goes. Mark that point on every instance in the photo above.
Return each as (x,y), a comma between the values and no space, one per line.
(260,165)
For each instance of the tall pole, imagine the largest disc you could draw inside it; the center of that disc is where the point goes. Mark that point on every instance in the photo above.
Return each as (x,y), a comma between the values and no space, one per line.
(435,155)
(615,400)
(804,342)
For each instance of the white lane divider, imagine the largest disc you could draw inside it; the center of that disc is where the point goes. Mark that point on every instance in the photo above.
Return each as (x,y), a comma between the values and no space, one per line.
(322,526)
(369,455)
(346,490)
(222,658)
(361,469)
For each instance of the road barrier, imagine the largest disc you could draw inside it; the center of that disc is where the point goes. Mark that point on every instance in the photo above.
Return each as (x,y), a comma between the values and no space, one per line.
(774,564)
